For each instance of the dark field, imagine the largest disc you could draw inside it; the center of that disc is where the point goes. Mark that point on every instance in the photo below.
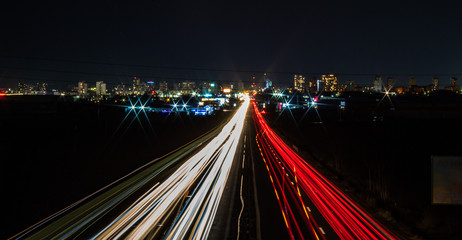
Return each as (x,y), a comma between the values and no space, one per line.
(382,157)
(55,152)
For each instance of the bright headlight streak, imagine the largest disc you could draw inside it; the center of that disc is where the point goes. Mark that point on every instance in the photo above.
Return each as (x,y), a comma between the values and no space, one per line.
(146,213)
(205,201)
(163,197)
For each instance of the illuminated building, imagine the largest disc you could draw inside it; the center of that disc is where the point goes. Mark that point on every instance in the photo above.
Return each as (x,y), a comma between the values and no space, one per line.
(136,83)
(163,87)
(268,82)
(100,89)
(320,86)
(138,86)
(82,88)
(378,84)
(41,87)
(330,83)
(209,88)
(25,88)
(151,87)
(350,86)
(186,86)
(299,82)
(121,89)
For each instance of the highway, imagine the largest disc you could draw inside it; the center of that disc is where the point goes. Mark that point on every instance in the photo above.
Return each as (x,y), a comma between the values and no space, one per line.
(238,181)
(297,186)
(173,197)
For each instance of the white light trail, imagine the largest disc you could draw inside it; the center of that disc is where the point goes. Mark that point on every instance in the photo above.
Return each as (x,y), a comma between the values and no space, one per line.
(204,176)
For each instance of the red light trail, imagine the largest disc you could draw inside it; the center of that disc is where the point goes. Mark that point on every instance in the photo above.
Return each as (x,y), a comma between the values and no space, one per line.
(292,176)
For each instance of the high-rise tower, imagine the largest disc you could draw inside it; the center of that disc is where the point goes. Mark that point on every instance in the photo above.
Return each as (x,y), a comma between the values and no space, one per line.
(299,82)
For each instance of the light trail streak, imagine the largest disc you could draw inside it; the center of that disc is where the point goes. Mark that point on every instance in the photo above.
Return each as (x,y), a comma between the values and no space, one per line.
(210,167)
(201,210)
(204,175)
(291,175)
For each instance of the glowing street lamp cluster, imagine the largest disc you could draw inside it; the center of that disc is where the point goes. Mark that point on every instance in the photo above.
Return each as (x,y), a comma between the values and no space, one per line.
(291,176)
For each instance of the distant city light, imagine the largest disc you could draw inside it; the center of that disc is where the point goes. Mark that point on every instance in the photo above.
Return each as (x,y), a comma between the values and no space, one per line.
(226,90)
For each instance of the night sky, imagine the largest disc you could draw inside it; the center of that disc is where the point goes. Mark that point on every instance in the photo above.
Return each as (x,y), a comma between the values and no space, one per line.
(347,38)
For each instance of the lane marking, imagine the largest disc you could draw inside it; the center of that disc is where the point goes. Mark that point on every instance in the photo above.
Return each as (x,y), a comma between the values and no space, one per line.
(242,209)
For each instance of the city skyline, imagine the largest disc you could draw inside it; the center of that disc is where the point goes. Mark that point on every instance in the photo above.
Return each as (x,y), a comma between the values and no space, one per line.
(173,74)
(324,82)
